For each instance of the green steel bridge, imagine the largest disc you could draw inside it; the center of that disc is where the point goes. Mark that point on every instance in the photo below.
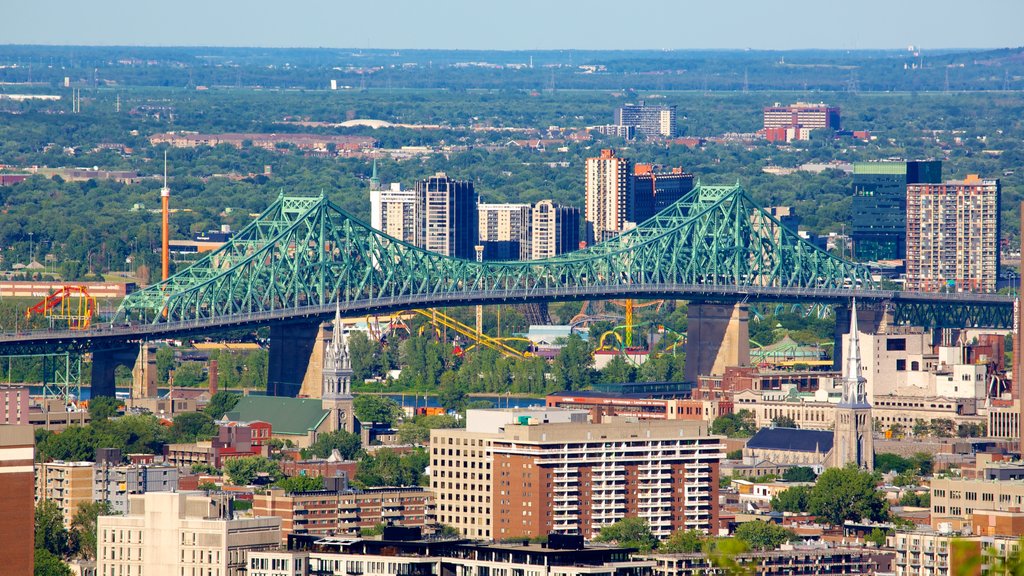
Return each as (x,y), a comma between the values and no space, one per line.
(304,254)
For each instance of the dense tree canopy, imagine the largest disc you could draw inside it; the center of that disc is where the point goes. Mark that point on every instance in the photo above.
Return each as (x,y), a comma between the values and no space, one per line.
(842,494)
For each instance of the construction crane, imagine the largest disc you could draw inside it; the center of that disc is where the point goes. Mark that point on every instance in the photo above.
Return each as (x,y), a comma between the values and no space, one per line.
(70,303)
(440,319)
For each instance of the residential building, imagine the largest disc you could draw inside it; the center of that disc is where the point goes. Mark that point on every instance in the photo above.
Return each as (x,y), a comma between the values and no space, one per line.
(880,205)
(446,216)
(115,483)
(953,235)
(505,231)
(234,439)
(531,472)
(554,229)
(15,405)
(278,563)
(936,553)
(787,561)
(602,404)
(854,426)
(408,554)
(393,212)
(796,121)
(308,141)
(615,130)
(175,533)
(954,501)
(608,192)
(341,511)
(17,510)
(648,120)
(655,189)
(68,484)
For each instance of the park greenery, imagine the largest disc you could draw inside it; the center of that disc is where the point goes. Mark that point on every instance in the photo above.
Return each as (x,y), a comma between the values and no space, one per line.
(838,495)
(55,543)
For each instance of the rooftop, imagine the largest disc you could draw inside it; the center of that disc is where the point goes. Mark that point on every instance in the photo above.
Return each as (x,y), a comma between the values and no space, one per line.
(285,415)
(792,439)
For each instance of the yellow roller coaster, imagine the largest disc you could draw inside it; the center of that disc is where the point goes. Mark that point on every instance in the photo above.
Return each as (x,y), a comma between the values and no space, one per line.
(499,344)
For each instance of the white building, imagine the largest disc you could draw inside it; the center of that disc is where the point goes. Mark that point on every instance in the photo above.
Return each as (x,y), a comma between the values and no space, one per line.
(393,212)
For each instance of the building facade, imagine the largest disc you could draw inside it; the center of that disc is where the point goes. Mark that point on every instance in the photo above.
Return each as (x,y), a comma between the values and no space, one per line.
(554,230)
(446,216)
(393,212)
(505,231)
(68,484)
(953,235)
(880,205)
(17,512)
(655,189)
(608,192)
(648,120)
(802,115)
(171,534)
(114,484)
(15,406)
(795,561)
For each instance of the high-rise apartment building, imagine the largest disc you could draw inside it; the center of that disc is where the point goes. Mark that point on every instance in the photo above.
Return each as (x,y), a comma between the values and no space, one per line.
(655,189)
(879,210)
(953,235)
(554,230)
(170,534)
(17,511)
(446,216)
(15,404)
(651,121)
(510,475)
(393,212)
(68,484)
(505,231)
(796,121)
(608,192)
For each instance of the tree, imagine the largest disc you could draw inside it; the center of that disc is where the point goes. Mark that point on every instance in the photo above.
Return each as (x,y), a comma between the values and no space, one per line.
(191,426)
(921,428)
(371,408)
(573,368)
(221,403)
(347,444)
(189,375)
(164,363)
(923,462)
(793,499)
(244,471)
(103,407)
(736,425)
(49,564)
(763,535)
(877,537)
(51,535)
(683,542)
(842,494)
(386,467)
(83,526)
(784,422)
(294,484)
(888,462)
(916,500)
(799,474)
(631,532)
(451,394)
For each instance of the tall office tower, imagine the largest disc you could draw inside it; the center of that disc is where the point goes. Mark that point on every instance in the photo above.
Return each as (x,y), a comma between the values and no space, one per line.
(953,235)
(505,231)
(654,190)
(650,121)
(880,205)
(555,230)
(174,533)
(795,122)
(446,220)
(609,189)
(17,507)
(393,212)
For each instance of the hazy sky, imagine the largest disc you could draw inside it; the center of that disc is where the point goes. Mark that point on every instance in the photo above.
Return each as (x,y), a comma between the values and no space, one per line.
(519,24)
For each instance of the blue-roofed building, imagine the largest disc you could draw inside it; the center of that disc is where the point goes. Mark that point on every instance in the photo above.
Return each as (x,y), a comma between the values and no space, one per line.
(790,446)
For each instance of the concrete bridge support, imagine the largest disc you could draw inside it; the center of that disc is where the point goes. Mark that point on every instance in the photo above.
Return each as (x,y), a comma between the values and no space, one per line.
(717,336)
(104,362)
(144,377)
(291,346)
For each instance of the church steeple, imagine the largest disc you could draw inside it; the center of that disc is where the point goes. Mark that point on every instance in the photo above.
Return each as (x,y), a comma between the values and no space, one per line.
(853,439)
(337,371)
(374,180)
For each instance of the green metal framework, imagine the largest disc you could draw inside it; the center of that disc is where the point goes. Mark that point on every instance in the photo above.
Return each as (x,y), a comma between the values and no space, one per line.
(306,252)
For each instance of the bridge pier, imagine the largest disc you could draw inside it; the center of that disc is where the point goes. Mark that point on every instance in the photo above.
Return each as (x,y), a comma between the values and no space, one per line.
(144,376)
(291,346)
(104,362)
(717,336)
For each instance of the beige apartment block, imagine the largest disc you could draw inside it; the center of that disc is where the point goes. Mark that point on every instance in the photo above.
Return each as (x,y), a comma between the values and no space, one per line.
(69,484)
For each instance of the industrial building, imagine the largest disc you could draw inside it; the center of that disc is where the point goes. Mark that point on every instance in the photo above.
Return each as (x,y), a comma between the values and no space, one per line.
(953,235)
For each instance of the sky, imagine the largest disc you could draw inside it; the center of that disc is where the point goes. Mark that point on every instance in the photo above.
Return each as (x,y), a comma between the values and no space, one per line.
(520,24)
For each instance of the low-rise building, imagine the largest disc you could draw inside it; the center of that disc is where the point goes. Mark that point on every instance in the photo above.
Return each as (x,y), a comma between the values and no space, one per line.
(790,561)
(170,534)
(114,484)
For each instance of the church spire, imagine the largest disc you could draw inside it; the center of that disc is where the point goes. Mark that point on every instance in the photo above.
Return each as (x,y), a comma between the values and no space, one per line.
(853,385)
(374,180)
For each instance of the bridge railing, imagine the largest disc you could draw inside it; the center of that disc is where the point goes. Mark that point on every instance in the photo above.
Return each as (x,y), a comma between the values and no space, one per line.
(359,306)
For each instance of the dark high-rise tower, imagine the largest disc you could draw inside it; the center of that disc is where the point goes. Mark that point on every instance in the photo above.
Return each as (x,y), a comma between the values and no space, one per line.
(446,216)
(880,205)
